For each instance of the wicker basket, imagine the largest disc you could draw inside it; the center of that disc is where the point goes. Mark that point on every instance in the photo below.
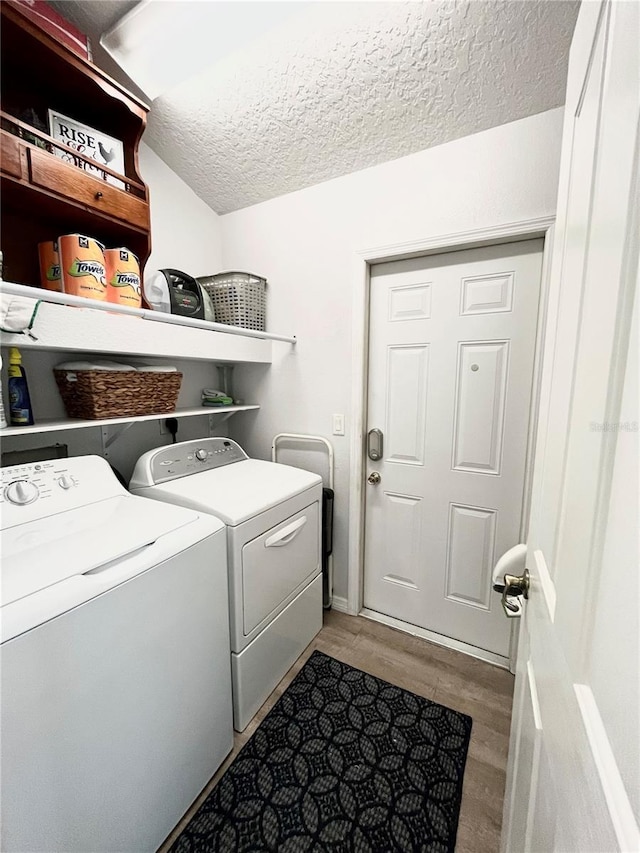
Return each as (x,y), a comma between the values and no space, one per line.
(117,394)
(239,298)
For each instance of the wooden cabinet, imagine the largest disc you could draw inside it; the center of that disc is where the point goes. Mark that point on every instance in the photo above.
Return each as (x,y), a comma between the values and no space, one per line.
(43,196)
(11,156)
(70,183)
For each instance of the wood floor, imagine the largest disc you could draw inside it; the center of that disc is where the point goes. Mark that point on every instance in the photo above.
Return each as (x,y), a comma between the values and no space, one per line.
(450,678)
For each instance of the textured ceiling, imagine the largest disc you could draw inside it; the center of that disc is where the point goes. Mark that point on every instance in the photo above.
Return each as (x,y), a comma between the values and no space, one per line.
(345,85)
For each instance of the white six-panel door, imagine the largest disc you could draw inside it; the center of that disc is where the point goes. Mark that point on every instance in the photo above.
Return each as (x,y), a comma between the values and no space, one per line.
(573,782)
(452,341)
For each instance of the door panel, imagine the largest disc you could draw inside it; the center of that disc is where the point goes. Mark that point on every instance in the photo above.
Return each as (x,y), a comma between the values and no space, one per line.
(489,294)
(407,381)
(479,407)
(277,562)
(569,264)
(452,342)
(402,553)
(470,551)
(581,793)
(410,302)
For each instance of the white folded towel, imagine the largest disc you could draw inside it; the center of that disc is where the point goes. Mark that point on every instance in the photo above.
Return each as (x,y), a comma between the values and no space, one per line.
(115,365)
(156,368)
(94,365)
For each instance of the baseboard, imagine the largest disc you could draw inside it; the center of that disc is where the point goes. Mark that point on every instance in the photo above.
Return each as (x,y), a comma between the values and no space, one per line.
(339,603)
(438,639)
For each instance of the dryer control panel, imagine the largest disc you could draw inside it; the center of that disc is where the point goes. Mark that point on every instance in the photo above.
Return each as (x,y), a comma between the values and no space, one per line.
(185,458)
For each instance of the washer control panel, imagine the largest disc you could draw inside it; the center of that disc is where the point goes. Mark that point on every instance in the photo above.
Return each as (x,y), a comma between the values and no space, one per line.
(38,489)
(185,458)
(25,484)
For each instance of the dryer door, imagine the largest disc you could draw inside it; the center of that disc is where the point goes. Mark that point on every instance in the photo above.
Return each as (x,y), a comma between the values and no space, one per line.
(278,563)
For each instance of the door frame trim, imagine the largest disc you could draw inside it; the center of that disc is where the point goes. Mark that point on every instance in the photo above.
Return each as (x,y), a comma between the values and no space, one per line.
(511,232)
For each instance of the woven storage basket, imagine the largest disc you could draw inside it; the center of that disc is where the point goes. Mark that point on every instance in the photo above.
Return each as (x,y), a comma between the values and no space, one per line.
(239,298)
(117,394)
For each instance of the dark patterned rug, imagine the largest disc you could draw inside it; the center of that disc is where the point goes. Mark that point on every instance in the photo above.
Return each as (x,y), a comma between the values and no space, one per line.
(343,762)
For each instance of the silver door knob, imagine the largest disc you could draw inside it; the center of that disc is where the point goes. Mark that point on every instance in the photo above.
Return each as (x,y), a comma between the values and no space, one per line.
(374,478)
(513,585)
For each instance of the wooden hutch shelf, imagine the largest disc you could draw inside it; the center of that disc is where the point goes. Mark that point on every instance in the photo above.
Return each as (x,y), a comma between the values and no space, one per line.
(42,195)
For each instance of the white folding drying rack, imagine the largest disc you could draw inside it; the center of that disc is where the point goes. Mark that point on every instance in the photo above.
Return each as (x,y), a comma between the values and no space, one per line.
(310,439)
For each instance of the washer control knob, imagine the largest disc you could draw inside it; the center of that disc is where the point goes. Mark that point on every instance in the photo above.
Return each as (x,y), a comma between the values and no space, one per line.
(66,482)
(201,454)
(22,492)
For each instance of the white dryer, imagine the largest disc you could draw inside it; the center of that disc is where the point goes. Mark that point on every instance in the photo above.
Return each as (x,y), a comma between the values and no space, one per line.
(116,685)
(273,518)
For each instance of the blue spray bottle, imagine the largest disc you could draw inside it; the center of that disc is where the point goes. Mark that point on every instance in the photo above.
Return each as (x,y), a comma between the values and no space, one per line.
(20,411)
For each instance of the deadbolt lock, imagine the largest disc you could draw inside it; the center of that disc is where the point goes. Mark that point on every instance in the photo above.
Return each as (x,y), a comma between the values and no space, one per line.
(374,478)
(374,444)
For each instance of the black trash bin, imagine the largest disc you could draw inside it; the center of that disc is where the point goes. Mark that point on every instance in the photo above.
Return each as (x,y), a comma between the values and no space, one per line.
(327,544)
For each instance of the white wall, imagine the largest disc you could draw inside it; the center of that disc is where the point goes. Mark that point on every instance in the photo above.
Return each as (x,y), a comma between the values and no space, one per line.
(185,232)
(304,243)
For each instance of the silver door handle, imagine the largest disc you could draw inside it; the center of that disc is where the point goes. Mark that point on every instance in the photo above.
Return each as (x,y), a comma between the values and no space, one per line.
(374,478)
(374,444)
(513,585)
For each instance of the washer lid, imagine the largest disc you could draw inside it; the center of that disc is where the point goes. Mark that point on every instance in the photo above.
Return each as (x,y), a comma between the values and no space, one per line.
(42,553)
(237,492)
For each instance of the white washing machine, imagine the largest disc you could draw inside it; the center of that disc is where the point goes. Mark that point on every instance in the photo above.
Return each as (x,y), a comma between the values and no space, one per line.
(115,678)
(273,517)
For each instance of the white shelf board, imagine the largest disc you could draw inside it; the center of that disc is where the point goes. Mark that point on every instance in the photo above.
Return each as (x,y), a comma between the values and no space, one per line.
(69,423)
(65,328)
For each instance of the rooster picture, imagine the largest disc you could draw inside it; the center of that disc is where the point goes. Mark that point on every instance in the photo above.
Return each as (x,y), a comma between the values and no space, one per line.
(106,155)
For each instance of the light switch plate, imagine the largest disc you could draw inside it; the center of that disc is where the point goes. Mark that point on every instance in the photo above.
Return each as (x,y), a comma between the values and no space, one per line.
(338,424)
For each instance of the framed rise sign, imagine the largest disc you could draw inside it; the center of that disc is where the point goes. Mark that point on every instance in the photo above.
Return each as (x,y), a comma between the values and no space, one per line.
(94,144)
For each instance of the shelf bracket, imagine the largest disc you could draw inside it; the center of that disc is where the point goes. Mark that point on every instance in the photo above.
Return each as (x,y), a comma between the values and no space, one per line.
(216,420)
(117,431)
